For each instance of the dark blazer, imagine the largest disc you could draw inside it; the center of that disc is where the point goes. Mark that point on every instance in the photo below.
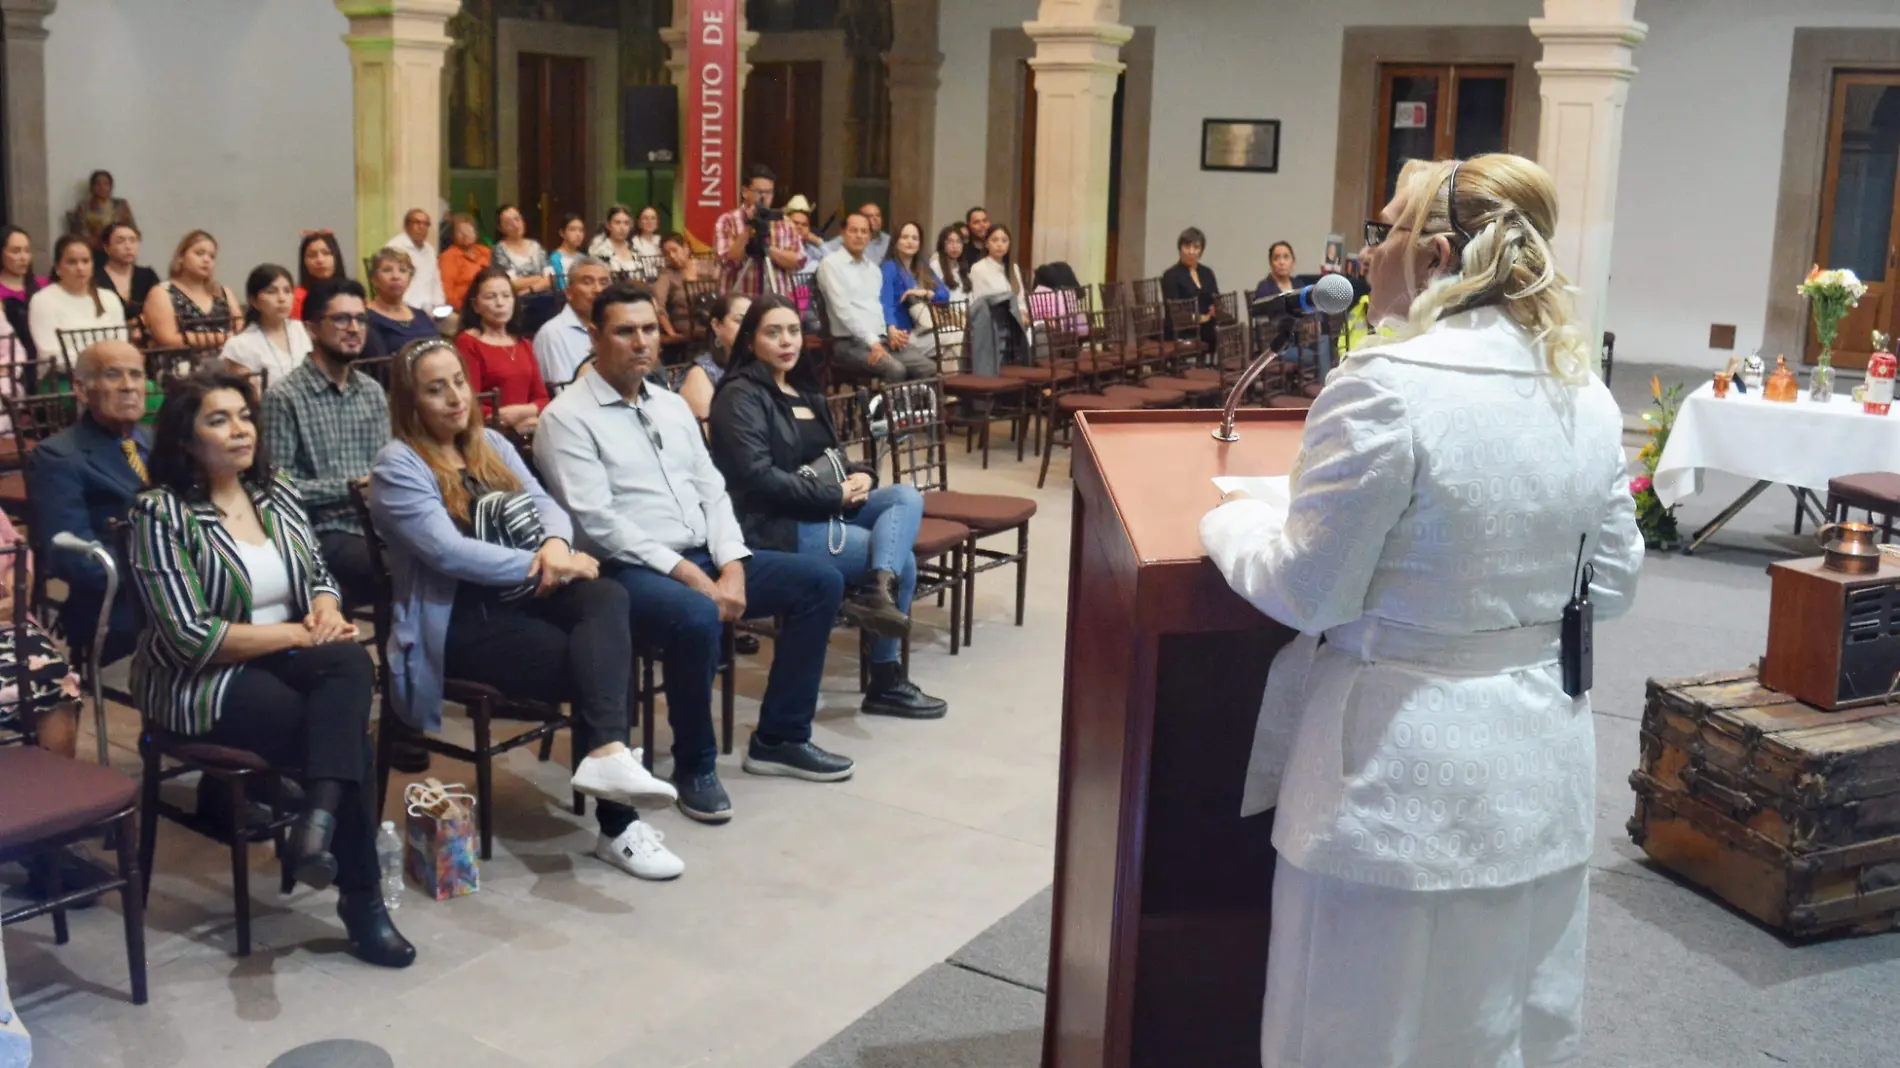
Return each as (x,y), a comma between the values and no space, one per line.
(78,481)
(193,586)
(756,446)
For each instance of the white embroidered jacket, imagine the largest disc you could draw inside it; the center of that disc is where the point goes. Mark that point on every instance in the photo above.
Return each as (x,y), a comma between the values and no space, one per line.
(1442,490)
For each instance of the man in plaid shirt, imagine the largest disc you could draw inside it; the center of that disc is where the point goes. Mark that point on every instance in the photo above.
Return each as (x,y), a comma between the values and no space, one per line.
(744,265)
(324,423)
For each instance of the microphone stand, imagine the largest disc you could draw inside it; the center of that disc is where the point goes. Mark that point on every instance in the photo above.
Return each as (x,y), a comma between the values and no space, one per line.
(1226,431)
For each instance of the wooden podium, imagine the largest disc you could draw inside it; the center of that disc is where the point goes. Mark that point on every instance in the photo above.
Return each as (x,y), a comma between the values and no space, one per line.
(1162,891)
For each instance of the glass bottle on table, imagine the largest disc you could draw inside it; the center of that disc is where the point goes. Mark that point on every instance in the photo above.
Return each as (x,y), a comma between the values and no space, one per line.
(1781,386)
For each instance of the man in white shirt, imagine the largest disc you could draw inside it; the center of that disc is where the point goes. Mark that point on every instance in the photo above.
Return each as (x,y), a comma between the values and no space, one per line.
(877,245)
(628,461)
(563,343)
(425,286)
(853,287)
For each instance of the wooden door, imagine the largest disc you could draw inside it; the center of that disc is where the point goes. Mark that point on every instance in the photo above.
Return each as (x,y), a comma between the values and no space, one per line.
(1023,236)
(1437,112)
(784,128)
(1860,209)
(554,164)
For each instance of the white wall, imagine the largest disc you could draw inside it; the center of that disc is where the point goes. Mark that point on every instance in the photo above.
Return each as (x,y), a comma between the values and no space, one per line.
(230,115)
(1701,174)
(1701,166)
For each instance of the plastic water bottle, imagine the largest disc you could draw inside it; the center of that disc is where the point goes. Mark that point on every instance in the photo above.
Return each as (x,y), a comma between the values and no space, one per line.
(389,859)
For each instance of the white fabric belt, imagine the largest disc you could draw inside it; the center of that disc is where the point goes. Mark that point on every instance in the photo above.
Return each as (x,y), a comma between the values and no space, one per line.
(1490,652)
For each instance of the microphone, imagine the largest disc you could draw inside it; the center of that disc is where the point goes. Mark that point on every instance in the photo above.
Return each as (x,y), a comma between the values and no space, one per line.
(1332,295)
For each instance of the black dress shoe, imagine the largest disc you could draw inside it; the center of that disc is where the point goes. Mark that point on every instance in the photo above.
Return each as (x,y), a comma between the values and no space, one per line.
(745,644)
(797,760)
(373,935)
(406,755)
(311,861)
(874,608)
(893,694)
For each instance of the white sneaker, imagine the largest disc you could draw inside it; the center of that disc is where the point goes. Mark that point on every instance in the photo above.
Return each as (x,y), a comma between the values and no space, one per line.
(622,778)
(638,852)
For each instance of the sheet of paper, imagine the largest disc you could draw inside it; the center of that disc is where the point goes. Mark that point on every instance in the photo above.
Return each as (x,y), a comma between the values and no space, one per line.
(1276,490)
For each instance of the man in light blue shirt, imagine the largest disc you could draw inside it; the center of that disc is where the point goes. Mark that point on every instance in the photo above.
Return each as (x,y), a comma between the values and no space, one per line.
(853,288)
(629,463)
(876,246)
(563,343)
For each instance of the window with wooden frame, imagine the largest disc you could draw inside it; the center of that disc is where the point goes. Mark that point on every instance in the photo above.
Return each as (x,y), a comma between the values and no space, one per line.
(1437,112)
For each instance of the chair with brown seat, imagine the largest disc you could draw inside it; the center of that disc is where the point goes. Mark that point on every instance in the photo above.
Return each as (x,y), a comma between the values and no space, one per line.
(1190,356)
(74,342)
(1147,291)
(204,333)
(1184,322)
(1065,392)
(1875,492)
(48,802)
(978,400)
(915,414)
(484,703)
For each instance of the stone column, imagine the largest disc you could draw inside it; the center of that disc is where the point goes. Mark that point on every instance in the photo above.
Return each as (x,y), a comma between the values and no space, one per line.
(1077,62)
(913,62)
(675,37)
(1585,76)
(28,203)
(396,60)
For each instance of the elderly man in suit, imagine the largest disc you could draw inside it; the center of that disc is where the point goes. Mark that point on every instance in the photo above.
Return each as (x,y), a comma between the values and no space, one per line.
(84,477)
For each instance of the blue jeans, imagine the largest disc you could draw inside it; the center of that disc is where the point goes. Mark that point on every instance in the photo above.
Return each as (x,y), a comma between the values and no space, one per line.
(684,626)
(878,537)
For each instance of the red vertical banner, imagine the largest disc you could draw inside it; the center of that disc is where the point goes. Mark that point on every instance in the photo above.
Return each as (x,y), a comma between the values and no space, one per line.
(709,165)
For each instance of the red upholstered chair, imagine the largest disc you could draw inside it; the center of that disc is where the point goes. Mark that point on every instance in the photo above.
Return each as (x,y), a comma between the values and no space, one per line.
(1875,492)
(979,400)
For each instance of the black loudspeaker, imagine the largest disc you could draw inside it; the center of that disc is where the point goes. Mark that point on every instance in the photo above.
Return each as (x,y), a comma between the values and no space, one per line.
(649,125)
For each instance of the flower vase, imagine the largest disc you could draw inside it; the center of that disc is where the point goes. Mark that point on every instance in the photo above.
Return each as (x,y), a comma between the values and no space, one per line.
(1821,379)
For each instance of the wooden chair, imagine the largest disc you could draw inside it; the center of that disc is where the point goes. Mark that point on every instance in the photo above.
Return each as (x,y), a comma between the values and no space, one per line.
(1184,322)
(205,333)
(74,342)
(33,419)
(1063,389)
(1149,352)
(165,366)
(484,703)
(915,413)
(47,803)
(977,401)
(1114,296)
(1875,492)
(1147,291)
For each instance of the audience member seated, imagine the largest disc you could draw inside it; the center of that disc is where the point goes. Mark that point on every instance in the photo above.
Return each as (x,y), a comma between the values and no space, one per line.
(629,463)
(465,258)
(976,236)
(18,283)
(1059,278)
(324,423)
(947,264)
(319,259)
(798,213)
(613,245)
(488,589)
(119,268)
(519,256)
(1190,279)
(762,258)
(995,275)
(880,243)
(645,241)
(245,645)
(498,357)
(670,293)
(425,280)
(709,366)
(82,479)
(273,341)
(75,301)
(192,292)
(573,249)
(563,343)
(909,290)
(1279,277)
(854,301)
(100,210)
(392,322)
(769,427)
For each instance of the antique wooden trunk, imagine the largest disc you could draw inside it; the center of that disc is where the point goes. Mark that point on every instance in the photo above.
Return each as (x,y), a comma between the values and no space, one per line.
(1786,811)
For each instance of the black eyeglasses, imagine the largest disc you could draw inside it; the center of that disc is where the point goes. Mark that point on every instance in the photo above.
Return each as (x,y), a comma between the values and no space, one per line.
(1377,232)
(646,424)
(344,322)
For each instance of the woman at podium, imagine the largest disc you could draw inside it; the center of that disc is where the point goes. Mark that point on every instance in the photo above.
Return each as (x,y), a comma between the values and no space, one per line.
(1460,491)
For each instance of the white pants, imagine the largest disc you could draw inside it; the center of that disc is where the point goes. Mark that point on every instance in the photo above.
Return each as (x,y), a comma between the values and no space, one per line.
(1360,976)
(16,1049)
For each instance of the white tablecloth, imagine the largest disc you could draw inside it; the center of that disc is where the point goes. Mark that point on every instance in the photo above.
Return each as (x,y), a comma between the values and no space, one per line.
(1801,444)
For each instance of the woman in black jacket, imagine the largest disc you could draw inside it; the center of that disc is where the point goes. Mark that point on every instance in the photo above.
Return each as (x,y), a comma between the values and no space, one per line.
(794,490)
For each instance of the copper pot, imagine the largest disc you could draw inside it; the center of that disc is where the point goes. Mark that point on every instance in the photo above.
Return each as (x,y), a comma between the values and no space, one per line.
(1853,552)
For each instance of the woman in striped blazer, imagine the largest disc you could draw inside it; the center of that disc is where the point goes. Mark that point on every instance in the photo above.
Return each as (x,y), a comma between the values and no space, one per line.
(244,644)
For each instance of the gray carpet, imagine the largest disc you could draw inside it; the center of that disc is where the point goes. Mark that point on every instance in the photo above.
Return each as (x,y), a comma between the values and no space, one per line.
(1676,978)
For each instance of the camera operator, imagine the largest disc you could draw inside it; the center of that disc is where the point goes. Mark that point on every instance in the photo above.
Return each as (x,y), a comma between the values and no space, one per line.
(758,247)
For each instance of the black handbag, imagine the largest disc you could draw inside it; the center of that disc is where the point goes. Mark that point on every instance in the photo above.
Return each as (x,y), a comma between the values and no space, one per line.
(830,471)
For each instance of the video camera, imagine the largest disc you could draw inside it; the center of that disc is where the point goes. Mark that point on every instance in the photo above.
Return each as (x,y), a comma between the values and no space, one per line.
(761,226)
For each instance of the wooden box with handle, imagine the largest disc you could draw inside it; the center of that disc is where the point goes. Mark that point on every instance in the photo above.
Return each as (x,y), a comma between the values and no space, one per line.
(1833,635)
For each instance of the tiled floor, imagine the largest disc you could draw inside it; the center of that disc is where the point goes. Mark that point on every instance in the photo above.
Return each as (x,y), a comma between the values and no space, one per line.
(811,907)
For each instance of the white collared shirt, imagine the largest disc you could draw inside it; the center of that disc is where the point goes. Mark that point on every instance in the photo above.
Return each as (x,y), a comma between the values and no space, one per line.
(854,296)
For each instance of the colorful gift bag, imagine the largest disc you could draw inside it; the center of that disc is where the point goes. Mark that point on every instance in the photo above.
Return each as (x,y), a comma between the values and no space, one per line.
(441,845)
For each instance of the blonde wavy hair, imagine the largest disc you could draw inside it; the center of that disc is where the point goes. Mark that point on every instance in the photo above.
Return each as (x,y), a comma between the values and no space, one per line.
(1505,214)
